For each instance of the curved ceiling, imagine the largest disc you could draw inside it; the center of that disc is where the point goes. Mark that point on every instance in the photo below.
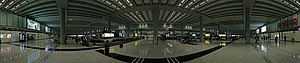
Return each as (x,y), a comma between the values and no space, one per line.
(95,12)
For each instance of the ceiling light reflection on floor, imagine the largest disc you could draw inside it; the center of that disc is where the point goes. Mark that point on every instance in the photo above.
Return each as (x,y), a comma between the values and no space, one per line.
(222,44)
(136,43)
(111,50)
(207,42)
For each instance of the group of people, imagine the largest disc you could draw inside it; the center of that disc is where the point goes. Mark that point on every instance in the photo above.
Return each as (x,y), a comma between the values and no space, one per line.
(276,39)
(267,37)
(82,40)
(264,38)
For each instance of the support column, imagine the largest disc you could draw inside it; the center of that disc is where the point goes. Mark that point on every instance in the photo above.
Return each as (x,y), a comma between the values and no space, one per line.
(141,32)
(247,25)
(128,30)
(63,20)
(219,29)
(182,28)
(62,6)
(109,24)
(90,36)
(201,29)
(155,16)
(226,30)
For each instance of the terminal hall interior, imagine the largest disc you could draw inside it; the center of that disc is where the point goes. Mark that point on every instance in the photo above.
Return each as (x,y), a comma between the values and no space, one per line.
(149,31)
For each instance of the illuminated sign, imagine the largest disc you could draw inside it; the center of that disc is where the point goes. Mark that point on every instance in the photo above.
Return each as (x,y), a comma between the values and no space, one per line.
(108,35)
(264,29)
(222,35)
(135,34)
(47,29)
(257,31)
(193,34)
(207,35)
(33,25)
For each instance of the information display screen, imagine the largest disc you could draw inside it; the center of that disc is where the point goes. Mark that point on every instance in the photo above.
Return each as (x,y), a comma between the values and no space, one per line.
(222,35)
(207,35)
(193,34)
(33,25)
(264,29)
(47,29)
(108,35)
(257,31)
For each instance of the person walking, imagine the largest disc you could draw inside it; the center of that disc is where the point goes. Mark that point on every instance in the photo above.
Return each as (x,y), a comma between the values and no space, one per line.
(0,40)
(285,38)
(256,38)
(276,38)
(77,40)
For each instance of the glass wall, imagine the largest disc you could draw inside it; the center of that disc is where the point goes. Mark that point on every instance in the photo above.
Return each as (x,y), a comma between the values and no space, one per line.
(11,20)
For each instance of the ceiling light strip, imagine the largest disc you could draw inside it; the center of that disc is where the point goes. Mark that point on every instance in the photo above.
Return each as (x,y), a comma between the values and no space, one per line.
(120,4)
(190,3)
(109,3)
(19,5)
(130,17)
(171,16)
(291,4)
(129,3)
(135,16)
(202,3)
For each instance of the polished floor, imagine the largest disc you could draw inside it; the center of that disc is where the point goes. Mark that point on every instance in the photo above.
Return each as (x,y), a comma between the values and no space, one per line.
(143,51)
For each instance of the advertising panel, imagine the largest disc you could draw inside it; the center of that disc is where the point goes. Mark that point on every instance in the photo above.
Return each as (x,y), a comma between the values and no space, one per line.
(295,20)
(289,22)
(33,25)
(5,35)
(285,23)
(279,24)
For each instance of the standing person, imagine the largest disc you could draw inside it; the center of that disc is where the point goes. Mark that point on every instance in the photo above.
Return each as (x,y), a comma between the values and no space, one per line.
(77,40)
(285,38)
(276,38)
(0,40)
(256,38)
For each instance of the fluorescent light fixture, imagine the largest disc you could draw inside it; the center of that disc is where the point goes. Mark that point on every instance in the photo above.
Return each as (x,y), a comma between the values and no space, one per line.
(7,6)
(179,5)
(182,1)
(191,3)
(23,2)
(202,2)
(11,2)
